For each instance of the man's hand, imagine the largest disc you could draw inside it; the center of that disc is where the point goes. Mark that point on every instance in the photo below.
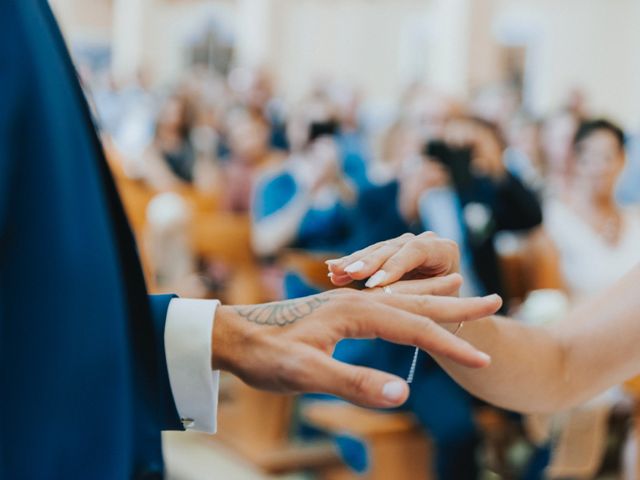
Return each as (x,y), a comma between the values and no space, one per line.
(408,256)
(287,346)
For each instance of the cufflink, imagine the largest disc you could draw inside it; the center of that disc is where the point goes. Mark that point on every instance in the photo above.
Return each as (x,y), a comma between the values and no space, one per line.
(187,422)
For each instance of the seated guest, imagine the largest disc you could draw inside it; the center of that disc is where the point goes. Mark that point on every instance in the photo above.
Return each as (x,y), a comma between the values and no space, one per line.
(305,202)
(587,223)
(468,206)
(462,191)
(170,160)
(248,137)
(556,135)
(628,192)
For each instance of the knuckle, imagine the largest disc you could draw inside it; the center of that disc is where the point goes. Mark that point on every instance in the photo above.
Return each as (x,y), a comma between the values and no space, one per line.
(291,372)
(425,303)
(347,300)
(358,381)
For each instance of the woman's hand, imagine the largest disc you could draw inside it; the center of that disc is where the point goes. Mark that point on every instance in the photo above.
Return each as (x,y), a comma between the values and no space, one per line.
(405,257)
(287,346)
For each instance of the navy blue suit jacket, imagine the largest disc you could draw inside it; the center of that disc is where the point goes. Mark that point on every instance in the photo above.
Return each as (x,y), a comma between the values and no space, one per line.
(84,391)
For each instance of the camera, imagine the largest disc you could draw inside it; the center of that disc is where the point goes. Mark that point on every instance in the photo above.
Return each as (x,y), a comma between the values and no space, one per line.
(455,159)
(329,128)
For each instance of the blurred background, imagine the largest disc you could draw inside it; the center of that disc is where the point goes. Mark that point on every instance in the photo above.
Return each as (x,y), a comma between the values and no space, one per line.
(254,139)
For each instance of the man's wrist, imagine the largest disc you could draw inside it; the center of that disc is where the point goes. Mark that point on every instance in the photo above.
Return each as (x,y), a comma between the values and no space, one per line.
(228,334)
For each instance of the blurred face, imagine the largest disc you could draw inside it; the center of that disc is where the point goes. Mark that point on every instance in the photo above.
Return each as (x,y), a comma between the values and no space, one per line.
(487,145)
(599,161)
(557,136)
(171,120)
(249,139)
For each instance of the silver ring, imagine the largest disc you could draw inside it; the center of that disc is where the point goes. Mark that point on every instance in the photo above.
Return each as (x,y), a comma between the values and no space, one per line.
(458,328)
(387,289)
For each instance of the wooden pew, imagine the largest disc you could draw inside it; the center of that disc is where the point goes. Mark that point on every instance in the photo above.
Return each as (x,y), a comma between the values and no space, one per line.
(397,446)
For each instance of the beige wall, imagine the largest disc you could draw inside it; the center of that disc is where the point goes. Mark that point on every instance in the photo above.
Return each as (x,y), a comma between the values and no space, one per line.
(590,44)
(381,45)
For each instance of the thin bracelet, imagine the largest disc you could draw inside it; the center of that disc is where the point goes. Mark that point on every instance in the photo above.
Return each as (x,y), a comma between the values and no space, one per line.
(414,361)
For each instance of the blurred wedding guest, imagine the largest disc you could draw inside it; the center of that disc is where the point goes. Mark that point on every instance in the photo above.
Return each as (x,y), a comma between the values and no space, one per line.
(126,111)
(254,90)
(462,190)
(597,243)
(171,158)
(588,222)
(628,191)
(249,152)
(524,157)
(557,135)
(305,202)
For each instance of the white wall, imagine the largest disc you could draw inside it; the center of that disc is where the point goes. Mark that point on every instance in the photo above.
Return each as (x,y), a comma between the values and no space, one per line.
(590,44)
(381,45)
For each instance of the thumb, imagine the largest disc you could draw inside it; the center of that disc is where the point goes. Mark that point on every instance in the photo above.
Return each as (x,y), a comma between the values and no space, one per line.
(360,385)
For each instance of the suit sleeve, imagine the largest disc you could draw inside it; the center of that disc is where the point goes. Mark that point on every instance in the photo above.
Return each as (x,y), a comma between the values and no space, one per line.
(517,207)
(169,412)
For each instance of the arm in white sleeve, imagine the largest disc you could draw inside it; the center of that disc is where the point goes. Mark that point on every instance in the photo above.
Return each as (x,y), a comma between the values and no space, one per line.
(187,338)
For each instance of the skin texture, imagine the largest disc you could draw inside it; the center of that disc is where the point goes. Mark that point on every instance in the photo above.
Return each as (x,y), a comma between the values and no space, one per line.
(535,369)
(287,346)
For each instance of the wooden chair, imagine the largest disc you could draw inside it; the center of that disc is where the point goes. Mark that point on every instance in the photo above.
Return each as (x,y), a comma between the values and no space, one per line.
(534,265)
(398,447)
(257,425)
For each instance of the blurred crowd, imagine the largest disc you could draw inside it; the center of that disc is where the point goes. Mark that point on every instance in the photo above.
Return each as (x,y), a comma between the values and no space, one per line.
(322,176)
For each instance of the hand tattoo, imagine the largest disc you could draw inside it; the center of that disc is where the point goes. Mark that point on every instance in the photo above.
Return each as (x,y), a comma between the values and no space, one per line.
(284,313)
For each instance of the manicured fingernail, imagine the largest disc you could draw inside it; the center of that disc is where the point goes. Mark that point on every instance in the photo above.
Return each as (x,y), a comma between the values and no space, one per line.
(355,267)
(393,391)
(330,274)
(484,357)
(377,279)
(332,261)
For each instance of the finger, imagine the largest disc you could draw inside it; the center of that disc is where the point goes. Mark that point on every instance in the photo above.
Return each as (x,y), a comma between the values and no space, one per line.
(340,280)
(444,309)
(448,285)
(398,326)
(340,266)
(435,256)
(363,386)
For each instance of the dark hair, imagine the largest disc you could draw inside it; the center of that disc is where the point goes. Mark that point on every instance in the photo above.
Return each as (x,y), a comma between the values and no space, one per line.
(490,127)
(588,127)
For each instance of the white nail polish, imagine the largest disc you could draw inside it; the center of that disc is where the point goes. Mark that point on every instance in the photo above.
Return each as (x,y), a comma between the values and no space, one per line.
(355,267)
(376,279)
(330,274)
(393,391)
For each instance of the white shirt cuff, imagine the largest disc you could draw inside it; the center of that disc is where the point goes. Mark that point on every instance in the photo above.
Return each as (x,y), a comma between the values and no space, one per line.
(187,341)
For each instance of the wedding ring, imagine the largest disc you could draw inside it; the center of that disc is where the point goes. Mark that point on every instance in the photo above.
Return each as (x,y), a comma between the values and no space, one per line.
(458,328)
(387,289)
